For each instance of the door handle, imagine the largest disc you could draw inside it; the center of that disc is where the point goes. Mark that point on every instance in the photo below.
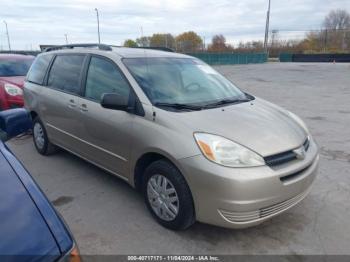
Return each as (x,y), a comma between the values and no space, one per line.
(71,103)
(83,108)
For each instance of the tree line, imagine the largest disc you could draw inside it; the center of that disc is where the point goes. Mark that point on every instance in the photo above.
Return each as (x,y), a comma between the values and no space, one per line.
(334,37)
(186,42)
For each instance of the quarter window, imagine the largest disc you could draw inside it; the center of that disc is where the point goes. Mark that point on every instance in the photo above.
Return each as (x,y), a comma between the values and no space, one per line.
(65,73)
(38,69)
(103,77)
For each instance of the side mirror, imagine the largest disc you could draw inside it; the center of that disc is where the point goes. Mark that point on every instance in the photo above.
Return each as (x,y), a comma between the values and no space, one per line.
(14,122)
(115,101)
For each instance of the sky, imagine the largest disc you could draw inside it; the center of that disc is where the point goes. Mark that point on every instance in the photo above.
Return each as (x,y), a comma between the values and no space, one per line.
(34,22)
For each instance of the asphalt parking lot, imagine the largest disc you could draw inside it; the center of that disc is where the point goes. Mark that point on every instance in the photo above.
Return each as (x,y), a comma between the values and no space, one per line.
(108,217)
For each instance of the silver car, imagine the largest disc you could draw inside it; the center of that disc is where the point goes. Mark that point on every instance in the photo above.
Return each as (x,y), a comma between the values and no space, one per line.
(195,145)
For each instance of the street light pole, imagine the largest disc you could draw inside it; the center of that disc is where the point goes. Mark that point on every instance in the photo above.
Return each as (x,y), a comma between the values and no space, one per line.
(267,27)
(8,36)
(142,40)
(98,26)
(66,36)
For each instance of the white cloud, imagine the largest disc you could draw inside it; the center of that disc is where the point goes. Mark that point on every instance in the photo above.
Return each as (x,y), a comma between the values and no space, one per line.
(45,22)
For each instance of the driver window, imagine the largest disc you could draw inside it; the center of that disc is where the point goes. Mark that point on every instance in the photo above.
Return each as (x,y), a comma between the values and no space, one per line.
(103,77)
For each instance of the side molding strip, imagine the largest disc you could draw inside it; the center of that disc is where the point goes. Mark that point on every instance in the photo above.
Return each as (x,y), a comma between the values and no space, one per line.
(81,140)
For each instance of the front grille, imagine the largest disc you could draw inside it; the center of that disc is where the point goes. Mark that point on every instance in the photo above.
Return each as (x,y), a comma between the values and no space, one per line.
(241,217)
(271,210)
(280,158)
(290,177)
(284,157)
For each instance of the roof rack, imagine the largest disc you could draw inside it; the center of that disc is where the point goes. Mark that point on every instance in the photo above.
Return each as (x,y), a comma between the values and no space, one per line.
(71,46)
(160,48)
(101,47)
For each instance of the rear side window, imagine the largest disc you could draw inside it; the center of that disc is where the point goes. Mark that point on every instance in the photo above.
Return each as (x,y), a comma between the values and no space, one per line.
(103,77)
(38,69)
(65,73)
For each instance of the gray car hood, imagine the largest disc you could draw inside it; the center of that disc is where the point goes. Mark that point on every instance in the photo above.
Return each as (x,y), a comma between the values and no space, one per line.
(259,125)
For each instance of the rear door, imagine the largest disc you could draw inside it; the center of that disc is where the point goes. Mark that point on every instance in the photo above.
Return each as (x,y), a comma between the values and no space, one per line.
(106,132)
(60,110)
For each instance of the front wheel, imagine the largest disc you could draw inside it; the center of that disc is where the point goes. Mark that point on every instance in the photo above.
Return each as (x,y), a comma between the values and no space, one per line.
(41,140)
(168,196)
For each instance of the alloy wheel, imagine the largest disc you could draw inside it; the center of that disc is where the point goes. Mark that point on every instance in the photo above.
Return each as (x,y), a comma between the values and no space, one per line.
(163,197)
(39,137)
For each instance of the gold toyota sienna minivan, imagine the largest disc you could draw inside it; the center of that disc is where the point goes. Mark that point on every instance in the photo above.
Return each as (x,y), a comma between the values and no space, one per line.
(198,147)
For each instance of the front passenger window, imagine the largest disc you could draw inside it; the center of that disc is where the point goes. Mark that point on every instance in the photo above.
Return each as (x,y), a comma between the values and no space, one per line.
(103,77)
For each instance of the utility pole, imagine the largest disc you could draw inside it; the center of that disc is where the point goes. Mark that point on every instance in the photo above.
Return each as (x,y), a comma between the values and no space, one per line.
(98,26)
(325,40)
(142,40)
(8,36)
(267,27)
(274,37)
(66,36)
(203,43)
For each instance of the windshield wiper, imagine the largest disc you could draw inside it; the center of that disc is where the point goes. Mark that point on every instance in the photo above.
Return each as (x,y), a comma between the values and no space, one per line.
(226,102)
(179,106)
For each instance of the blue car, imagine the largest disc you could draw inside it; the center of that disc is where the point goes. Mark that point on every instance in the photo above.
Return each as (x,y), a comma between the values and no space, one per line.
(30,228)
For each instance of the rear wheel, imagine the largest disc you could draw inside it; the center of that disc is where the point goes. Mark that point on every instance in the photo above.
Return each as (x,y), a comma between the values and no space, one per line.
(41,140)
(168,196)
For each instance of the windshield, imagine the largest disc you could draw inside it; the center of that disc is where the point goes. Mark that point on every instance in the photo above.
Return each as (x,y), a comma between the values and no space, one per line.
(181,81)
(14,67)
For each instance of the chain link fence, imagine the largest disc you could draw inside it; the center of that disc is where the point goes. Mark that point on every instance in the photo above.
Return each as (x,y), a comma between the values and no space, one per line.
(231,58)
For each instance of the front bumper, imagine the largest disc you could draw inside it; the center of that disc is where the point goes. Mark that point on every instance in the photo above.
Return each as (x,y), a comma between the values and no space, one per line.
(244,197)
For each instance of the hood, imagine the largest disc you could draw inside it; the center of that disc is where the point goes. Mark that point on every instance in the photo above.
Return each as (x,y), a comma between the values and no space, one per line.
(23,230)
(17,184)
(258,125)
(15,80)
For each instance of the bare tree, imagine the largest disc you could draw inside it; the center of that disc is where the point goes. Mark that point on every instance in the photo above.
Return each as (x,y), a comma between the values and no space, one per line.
(337,20)
(219,44)
(337,30)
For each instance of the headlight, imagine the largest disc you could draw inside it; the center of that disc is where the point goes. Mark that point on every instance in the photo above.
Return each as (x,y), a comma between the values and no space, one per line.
(299,121)
(226,152)
(13,90)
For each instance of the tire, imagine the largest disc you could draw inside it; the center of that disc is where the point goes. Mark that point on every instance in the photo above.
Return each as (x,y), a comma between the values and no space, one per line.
(163,205)
(41,140)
